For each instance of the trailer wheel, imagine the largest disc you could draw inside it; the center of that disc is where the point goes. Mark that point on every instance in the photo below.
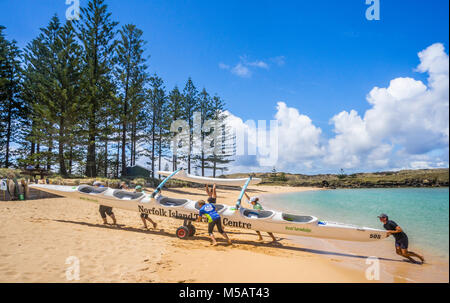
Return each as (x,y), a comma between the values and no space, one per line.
(182,232)
(191,230)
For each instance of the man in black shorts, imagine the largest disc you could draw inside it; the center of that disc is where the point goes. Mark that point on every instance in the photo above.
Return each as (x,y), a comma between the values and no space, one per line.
(209,211)
(105,210)
(401,239)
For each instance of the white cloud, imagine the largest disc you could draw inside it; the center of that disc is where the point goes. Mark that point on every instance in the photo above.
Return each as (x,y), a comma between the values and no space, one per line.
(245,68)
(241,70)
(223,66)
(299,139)
(260,64)
(407,114)
(407,126)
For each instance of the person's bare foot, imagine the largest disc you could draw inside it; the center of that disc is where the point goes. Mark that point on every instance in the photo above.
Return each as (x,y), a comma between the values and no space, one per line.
(214,243)
(154,225)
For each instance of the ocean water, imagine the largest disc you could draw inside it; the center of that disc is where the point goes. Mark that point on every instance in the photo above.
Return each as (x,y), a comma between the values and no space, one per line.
(423,213)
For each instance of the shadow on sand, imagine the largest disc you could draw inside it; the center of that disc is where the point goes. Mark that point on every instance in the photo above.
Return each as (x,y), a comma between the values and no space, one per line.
(162,232)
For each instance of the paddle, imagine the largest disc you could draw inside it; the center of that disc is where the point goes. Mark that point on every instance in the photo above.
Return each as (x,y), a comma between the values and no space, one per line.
(244,188)
(158,189)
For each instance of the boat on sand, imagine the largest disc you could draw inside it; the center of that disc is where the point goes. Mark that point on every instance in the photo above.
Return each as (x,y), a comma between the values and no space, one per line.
(156,204)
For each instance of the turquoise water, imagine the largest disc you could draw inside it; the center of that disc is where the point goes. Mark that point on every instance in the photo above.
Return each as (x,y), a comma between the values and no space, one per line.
(421,212)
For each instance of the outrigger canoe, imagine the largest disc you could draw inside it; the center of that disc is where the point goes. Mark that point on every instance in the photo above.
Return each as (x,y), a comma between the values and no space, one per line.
(156,204)
(182,175)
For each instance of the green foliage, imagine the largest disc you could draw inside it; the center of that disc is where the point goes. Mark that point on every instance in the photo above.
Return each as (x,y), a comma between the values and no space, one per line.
(402,178)
(85,105)
(12,110)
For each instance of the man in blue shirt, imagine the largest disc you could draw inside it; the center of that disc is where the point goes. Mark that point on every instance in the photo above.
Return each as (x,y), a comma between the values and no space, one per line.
(209,211)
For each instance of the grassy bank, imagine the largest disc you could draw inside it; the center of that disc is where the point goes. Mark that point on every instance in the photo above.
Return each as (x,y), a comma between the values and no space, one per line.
(403,178)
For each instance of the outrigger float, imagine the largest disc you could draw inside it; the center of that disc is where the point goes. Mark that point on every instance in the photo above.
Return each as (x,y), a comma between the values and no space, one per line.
(232,216)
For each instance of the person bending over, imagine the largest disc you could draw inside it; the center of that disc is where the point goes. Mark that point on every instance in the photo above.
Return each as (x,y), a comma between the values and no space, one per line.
(401,239)
(105,210)
(144,216)
(209,211)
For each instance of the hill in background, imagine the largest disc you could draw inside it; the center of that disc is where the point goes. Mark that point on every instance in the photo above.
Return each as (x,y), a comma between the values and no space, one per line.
(403,178)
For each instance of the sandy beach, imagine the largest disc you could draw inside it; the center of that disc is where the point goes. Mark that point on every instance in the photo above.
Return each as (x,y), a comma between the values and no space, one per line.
(38,236)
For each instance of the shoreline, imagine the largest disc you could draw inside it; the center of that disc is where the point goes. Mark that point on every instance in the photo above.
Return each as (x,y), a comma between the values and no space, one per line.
(37,237)
(393,269)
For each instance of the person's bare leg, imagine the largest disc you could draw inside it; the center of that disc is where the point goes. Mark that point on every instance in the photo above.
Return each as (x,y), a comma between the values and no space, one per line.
(214,194)
(273,237)
(114,219)
(411,253)
(153,222)
(104,220)
(260,238)
(407,256)
(224,234)
(417,255)
(207,190)
(213,240)
(145,223)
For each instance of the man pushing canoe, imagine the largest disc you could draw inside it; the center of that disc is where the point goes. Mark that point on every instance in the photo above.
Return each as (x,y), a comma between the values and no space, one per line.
(209,211)
(401,239)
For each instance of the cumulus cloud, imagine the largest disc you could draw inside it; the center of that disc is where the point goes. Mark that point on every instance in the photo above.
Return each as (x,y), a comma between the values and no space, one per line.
(298,139)
(407,126)
(407,114)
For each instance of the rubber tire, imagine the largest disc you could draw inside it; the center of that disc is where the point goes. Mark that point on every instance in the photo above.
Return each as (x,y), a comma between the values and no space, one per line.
(191,229)
(182,232)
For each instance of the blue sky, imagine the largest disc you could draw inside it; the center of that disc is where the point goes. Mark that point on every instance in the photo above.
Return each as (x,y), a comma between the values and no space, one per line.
(319,57)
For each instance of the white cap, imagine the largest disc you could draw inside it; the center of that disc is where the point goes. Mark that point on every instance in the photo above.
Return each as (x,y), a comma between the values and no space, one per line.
(254,199)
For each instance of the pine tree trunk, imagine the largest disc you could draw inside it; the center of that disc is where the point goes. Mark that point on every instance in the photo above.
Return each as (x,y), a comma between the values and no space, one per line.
(124,139)
(117,159)
(159,150)
(8,130)
(90,163)
(49,157)
(106,156)
(62,162)
(153,151)
(38,150)
(70,159)
(203,163)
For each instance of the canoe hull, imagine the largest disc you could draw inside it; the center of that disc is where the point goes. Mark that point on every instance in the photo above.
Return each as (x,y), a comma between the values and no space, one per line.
(268,221)
(182,175)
